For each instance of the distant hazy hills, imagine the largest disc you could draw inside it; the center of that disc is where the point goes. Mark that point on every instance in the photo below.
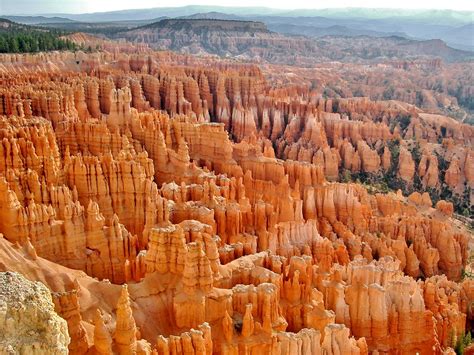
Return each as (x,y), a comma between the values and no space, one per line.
(460,37)
(37,20)
(445,17)
(456,28)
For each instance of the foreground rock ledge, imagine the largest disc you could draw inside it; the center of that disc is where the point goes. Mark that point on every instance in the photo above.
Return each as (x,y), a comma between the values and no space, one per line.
(28,322)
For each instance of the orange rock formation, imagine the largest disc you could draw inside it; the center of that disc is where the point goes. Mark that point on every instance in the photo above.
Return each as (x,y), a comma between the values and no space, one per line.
(175,207)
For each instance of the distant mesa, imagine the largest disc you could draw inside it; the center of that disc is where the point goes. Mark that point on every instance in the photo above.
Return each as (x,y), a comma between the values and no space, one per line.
(209,24)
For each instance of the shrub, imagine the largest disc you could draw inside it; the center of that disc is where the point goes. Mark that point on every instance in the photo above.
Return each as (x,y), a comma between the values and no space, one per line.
(462,342)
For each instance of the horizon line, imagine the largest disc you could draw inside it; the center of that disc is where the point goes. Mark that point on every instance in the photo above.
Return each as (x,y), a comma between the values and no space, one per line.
(46,14)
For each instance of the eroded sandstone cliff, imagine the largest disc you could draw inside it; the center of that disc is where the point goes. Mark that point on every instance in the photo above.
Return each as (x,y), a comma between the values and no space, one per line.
(182,205)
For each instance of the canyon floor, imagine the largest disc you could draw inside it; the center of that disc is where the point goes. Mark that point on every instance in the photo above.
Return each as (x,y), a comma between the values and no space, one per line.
(174,203)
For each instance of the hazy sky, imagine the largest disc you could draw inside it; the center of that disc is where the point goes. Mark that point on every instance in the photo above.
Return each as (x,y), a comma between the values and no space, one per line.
(76,6)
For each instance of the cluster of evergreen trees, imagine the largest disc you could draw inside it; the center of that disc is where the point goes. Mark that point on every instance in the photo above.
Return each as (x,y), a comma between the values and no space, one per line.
(24,40)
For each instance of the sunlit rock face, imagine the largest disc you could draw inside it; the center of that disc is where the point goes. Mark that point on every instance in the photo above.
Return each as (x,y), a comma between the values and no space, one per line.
(186,205)
(29,324)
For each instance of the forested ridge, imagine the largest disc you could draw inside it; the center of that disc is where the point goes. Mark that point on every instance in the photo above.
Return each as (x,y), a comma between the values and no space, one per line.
(17,38)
